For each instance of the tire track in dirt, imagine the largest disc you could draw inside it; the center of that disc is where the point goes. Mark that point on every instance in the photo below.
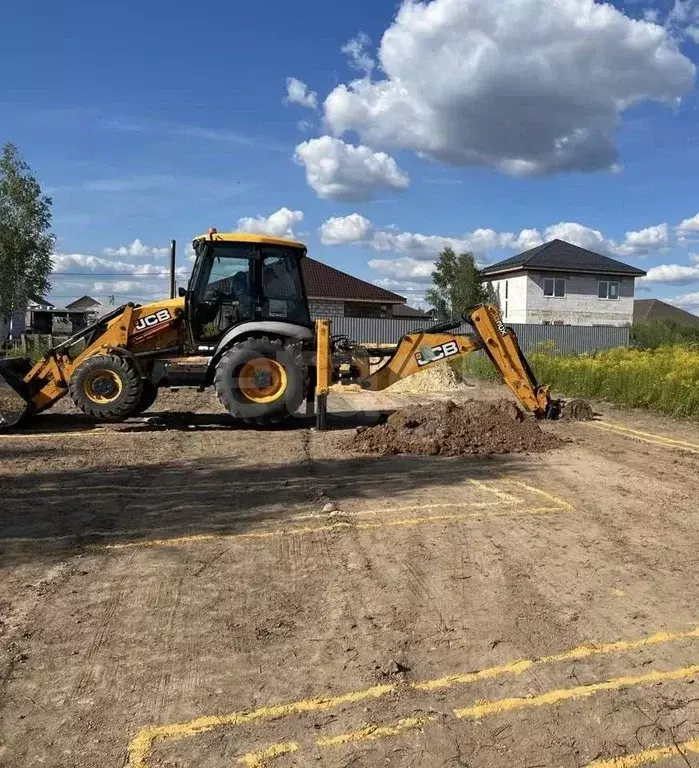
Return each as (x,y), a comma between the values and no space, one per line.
(102,633)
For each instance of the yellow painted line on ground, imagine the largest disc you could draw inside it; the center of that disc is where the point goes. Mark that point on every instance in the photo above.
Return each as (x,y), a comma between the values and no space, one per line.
(648,756)
(539,491)
(502,495)
(488,708)
(410,522)
(257,759)
(373,732)
(142,744)
(663,442)
(616,425)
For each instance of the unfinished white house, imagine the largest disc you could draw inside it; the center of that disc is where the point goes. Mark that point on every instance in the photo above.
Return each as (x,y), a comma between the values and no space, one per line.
(559,283)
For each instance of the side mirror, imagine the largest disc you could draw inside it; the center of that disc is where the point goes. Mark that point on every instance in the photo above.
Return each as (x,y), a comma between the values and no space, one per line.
(181,292)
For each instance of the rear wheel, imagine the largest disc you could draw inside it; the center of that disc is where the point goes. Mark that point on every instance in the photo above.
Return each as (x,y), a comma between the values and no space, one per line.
(260,381)
(106,387)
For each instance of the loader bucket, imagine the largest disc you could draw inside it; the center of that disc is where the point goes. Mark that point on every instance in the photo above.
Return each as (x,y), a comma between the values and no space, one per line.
(15,402)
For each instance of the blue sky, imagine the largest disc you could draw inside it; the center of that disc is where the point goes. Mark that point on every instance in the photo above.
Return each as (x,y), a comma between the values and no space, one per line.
(486,124)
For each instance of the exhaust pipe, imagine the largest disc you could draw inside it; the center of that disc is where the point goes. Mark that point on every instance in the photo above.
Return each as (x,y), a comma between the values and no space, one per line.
(15,398)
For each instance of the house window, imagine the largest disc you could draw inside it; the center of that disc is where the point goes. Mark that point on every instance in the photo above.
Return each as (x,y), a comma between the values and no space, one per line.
(608,289)
(555,287)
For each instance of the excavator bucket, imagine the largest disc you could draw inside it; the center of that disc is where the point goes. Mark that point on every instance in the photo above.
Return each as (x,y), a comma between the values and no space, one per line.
(15,401)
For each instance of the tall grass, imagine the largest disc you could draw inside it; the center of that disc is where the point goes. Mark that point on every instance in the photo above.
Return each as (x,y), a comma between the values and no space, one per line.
(665,379)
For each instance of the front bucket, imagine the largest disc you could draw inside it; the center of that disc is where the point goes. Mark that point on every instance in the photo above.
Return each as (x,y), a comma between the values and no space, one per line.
(14,395)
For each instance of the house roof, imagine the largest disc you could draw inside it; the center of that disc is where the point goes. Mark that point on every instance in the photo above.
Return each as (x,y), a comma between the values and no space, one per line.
(403,310)
(84,302)
(563,256)
(325,282)
(647,310)
(34,297)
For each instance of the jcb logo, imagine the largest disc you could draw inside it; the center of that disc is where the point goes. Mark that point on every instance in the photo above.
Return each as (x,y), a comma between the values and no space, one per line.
(161,316)
(431,354)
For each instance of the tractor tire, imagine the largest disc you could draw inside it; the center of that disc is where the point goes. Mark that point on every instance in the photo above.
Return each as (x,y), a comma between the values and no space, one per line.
(148,397)
(106,387)
(260,380)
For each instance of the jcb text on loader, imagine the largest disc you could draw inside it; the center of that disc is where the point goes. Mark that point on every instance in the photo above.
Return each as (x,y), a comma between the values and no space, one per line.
(242,326)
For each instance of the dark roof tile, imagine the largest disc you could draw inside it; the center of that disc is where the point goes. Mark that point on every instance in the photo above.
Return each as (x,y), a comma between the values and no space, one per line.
(325,282)
(560,255)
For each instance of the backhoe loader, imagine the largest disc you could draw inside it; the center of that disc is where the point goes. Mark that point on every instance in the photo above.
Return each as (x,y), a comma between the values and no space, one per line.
(243,326)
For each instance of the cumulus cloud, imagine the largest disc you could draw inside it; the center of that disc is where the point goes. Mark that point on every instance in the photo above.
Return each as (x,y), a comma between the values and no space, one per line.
(404,268)
(688,229)
(526,86)
(359,58)
(79,262)
(278,224)
(297,92)
(341,230)
(339,171)
(644,240)
(671,274)
(136,250)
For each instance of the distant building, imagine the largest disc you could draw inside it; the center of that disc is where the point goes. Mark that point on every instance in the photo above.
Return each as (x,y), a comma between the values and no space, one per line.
(559,283)
(333,293)
(649,310)
(86,304)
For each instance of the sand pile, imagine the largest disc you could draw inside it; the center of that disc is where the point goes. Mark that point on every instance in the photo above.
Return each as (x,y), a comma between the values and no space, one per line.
(456,429)
(438,378)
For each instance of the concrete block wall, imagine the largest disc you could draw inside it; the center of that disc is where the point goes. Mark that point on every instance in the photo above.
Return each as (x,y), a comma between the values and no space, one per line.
(580,305)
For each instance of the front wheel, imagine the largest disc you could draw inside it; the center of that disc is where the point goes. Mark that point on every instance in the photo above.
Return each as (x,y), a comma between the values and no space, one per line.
(106,387)
(260,381)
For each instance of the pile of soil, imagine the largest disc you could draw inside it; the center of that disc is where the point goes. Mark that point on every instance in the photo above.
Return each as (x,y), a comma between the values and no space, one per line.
(456,429)
(437,378)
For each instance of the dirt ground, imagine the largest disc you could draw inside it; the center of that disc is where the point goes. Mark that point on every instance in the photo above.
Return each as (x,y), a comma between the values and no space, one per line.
(191,593)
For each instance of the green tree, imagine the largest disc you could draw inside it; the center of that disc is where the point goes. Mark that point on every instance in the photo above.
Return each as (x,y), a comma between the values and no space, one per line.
(26,242)
(457,285)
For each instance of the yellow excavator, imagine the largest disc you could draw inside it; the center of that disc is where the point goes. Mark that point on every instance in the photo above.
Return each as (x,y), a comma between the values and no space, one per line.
(243,326)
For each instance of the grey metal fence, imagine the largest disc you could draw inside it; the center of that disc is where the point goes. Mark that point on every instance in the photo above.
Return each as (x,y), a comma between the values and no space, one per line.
(559,339)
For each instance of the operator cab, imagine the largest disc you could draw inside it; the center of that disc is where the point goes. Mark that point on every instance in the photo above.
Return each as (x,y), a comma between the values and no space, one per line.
(241,278)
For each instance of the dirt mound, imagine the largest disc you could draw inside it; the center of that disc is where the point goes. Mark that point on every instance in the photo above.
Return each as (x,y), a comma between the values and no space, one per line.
(456,429)
(438,378)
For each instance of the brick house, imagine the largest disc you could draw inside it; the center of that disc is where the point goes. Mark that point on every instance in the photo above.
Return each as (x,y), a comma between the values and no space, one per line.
(333,293)
(559,283)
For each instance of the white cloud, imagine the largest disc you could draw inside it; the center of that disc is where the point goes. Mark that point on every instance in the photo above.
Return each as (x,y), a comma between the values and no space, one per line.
(78,262)
(136,249)
(524,86)
(297,93)
(340,230)
(355,229)
(358,230)
(644,240)
(339,171)
(404,268)
(688,229)
(355,48)
(304,126)
(688,301)
(279,224)
(683,20)
(671,274)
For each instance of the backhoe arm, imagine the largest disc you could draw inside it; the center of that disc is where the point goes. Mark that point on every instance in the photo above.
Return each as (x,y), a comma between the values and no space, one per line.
(417,351)
(501,346)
